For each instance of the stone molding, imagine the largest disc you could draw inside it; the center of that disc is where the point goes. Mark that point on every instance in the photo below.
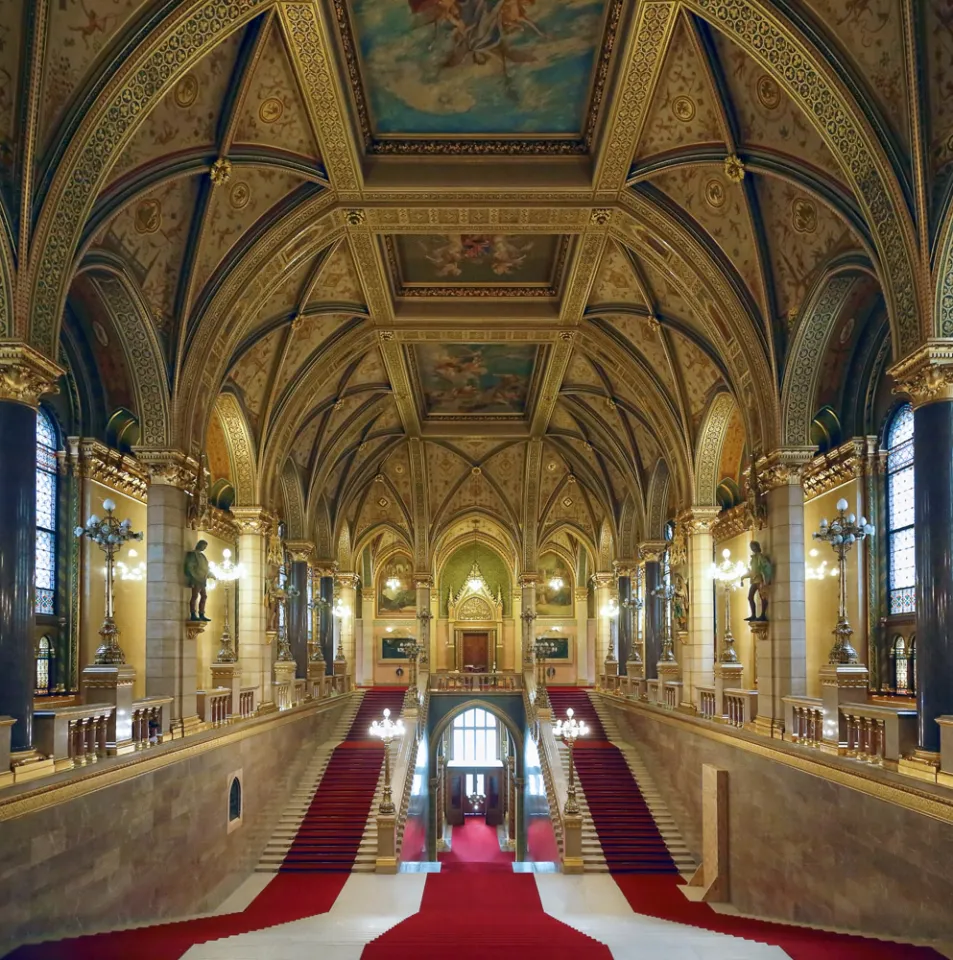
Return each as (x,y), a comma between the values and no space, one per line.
(652,551)
(93,460)
(252,520)
(698,519)
(171,468)
(730,523)
(528,579)
(26,374)
(222,524)
(602,579)
(850,461)
(926,375)
(783,467)
(299,550)
(351,580)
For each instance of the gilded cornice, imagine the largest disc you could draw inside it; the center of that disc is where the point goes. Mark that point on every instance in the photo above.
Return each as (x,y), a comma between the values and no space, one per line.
(730,523)
(926,376)
(783,467)
(25,374)
(93,460)
(221,523)
(850,461)
(168,467)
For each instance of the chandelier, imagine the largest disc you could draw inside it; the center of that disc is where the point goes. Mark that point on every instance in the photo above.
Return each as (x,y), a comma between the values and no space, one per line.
(556,583)
(392,584)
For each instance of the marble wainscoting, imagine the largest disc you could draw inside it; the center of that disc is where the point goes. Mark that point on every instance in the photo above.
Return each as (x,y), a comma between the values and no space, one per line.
(156,844)
(806,847)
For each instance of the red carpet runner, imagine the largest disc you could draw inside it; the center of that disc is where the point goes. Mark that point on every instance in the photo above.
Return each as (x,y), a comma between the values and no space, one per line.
(330,834)
(475,846)
(630,839)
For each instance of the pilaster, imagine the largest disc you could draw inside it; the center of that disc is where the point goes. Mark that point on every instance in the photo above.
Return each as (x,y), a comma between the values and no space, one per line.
(605,655)
(697,656)
(254,651)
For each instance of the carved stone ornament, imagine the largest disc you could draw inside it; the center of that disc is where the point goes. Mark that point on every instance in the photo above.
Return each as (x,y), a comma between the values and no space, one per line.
(354,218)
(600,216)
(783,467)
(299,550)
(830,470)
(755,506)
(171,468)
(651,551)
(475,608)
(698,520)
(252,520)
(730,523)
(734,169)
(25,374)
(92,460)
(221,172)
(926,375)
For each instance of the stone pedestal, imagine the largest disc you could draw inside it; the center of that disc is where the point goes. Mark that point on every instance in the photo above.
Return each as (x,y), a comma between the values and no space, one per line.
(229,675)
(841,683)
(113,685)
(572,843)
(635,670)
(698,650)
(765,724)
(727,677)
(285,673)
(944,775)
(386,843)
(668,671)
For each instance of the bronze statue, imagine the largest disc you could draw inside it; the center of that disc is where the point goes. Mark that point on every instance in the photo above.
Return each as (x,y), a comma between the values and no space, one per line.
(756,508)
(272,592)
(759,573)
(196,577)
(679,601)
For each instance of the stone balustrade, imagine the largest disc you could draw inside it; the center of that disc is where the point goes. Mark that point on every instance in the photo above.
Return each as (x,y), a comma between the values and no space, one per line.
(73,736)
(281,690)
(214,706)
(705,702)
(672,694)
(300,690)
(150,721)
(475,682)
(879,733)
(803,720)
(246,702)
(741,706)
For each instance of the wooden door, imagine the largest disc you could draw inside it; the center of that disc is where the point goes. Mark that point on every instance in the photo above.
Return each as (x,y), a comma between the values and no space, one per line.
(494,798)
(455,799)
(474,651)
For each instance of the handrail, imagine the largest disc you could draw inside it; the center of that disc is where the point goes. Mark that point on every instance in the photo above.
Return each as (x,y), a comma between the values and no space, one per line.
(553,779)
(413,739)
(507,681)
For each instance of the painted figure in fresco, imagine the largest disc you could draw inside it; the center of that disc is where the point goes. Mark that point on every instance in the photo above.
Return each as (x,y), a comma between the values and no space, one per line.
(503,254)
(759,573)
(196,577)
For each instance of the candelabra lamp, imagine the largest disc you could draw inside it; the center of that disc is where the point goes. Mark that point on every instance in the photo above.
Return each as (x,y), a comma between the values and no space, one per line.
(282,596)
(340,613)
(528,616)
(411,649)
(424,616)
(569,730)
(317,668)
(666,593)
(728,574)
(611,613)
(842,533)
(542,648)
(386,730)
(843,679)
(633,607)
(109,534)
(227,572)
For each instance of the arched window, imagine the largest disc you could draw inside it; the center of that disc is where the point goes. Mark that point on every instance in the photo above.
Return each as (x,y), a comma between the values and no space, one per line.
(900,541)
(45,577)
(475,737)
(900,665)
(44,667)
(235,800)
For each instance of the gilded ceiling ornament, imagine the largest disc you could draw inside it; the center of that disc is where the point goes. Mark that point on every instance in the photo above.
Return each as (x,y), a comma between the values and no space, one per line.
(148,216)
(270,110)
(552,466)
(715,194)
(652,322)
(99,331)
(926,376)
(571,478)
(567,336)
(683,108)
(600,216)
(221,172)
(383,501)
(804,215)
(769,93)
(734,168)
(297,322)
(386,335)
(476,471)
(354,218)
(567,501)
(186,90)
(239,195)
(379,478)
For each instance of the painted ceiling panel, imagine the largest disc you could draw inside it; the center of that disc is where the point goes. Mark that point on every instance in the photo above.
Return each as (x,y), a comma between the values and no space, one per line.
(684,109)
(506,468)
(647,446)
(698,375)
(648,341)
(304,441)
(273,113)
(733,448)
(311,333)
(444,469)
(253,372)
(187,116)
(11,45)
(616,282)
(581,372)
(338,281)
(938,67)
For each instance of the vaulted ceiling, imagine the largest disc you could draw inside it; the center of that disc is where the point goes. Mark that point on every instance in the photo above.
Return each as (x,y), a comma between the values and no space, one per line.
(416,258)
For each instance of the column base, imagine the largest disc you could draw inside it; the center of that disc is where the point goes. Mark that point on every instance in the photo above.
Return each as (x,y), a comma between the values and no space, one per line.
(27,765)
(841,683)
(922,765)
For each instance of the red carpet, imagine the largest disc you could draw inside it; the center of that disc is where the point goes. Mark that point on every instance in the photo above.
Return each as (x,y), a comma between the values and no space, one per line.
(475,846)
(630,839)
(331,832)
(472,916)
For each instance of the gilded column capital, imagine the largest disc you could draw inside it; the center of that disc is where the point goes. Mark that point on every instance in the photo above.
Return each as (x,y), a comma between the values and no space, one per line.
(26,374)
(849,461)
(351,580)
(602,579)
(171,468)
(783,467)
(926,375)
(624,568)
(529,579)
(698,519)
(299,550)
(324,568)
(651,551)
(92,460)
(252,520)
(423,581)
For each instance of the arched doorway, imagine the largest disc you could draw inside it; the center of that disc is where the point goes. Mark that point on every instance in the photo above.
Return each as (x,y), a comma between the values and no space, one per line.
(477,810)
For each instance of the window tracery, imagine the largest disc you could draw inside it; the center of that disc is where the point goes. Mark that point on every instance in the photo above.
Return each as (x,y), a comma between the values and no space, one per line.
(46,492)
(475,737)
(900,513)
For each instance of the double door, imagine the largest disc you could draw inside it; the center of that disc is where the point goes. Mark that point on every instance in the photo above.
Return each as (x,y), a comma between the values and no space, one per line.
(474,791)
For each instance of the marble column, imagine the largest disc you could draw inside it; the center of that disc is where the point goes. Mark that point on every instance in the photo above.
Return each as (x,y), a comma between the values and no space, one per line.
(325,573)
(653,611)
(25,376)
(605,655)
(584,656)
(171,648)
(625,628)
(423,583)
(299,552)
(698,659)
(528,618)
(347,592)
(254,650)
(782,653)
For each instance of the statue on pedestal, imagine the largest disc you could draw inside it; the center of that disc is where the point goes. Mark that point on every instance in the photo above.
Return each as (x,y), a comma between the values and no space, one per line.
(680,602)
(196,578)
(759,573)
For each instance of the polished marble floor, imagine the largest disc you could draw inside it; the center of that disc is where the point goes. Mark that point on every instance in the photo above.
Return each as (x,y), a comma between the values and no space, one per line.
(369,905)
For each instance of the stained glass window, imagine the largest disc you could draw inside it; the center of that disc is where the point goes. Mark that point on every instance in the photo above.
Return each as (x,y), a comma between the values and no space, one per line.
(310,616)
(475,737)
(900,487)
(901,664)
(45,514)
(44,655)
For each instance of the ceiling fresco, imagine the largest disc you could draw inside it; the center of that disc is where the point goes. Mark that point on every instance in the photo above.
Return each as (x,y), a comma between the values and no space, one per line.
(481,264)
(477,68)
(474,380)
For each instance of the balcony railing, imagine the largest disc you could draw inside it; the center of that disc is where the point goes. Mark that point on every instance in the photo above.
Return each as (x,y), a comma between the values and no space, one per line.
(72,736)
(476,682)
(804,720)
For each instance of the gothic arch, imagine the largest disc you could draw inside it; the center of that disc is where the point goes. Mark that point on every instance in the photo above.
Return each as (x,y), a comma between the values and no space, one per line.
(711,439)
(658,502)
(241,450)
(293,499)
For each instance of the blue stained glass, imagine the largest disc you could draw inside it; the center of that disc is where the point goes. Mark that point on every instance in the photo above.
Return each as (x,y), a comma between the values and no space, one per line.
(44,560)
(45,432)
(901,499)
(45,499)
(45,577)
(901,486)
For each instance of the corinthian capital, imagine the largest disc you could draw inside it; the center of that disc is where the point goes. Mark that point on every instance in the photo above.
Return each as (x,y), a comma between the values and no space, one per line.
(299,550)
(25,374)
(172,468)
(255,520)
(926,376)
(783,468)
(699,519)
